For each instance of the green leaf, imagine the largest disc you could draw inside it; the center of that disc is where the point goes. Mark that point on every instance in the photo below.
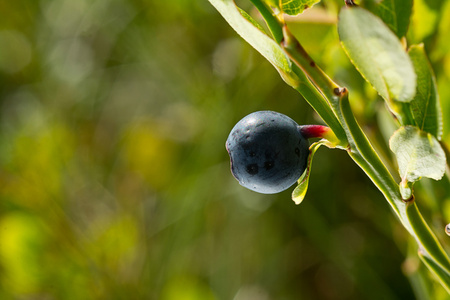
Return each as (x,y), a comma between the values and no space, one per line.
(250,19)
(425,106)
(295,7)
(273,23)
(396,14)
(440,272)
(252,34)
(377,53)
(300,191)
(273,3)
(418,153)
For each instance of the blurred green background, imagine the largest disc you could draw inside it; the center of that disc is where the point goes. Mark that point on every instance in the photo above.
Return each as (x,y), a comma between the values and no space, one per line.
(114,178)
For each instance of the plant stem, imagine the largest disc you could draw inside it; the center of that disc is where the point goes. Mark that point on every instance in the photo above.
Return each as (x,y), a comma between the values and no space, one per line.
(360,146)
(300,57)
(272,22)
(362,152)
(430,250)
(319,104)
(331,102)
(425,237)
(442,275)
(301,82)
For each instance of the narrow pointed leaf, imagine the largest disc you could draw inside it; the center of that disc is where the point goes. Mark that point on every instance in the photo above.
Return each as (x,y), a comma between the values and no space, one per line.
(418,153)
(425,106)
(295,7)
(252,34)
(377,53)
(300,191)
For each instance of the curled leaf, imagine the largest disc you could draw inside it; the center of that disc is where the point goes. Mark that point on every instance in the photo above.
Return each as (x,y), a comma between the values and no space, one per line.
(300,191)
(418,153)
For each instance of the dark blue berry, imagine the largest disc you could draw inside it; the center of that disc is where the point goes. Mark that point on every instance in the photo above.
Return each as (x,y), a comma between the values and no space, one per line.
(267,151)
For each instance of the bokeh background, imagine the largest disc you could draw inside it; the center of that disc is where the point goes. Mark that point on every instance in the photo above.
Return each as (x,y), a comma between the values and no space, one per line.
(115,182)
